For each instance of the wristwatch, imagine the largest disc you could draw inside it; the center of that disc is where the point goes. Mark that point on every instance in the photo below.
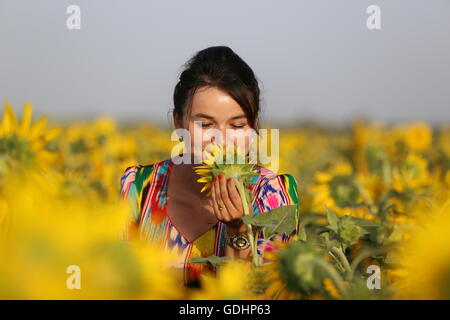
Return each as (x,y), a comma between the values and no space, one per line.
(239,241)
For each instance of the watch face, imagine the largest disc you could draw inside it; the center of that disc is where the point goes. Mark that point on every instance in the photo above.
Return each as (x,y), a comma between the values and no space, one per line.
(240,242)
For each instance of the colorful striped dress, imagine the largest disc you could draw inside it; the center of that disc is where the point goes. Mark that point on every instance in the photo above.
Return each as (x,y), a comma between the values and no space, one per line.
(146,187)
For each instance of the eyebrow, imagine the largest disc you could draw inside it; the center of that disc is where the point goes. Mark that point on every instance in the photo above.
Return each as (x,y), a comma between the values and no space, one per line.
(202,115)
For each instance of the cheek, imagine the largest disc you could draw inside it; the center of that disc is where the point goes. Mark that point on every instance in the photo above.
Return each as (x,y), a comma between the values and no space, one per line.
(243,140)
(199,133)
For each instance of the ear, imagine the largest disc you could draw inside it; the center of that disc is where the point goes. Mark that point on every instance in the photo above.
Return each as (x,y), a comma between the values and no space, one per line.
(177,120)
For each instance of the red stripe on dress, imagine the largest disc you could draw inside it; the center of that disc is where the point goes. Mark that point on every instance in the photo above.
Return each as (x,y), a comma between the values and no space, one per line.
(159,208)
(149,192)
(283,189)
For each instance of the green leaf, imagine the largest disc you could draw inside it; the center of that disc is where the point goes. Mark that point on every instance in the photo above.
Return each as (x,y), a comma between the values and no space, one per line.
(349,231)
(212,260)
(332,220)
(363,223)
(329,243)
(299,268)
(374,230)
(279,220)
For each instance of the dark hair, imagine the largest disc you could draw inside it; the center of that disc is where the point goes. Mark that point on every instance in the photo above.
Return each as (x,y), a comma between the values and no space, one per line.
(219,67)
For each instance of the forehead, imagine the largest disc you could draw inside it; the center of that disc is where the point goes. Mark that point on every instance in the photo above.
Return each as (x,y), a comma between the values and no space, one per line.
(215,103)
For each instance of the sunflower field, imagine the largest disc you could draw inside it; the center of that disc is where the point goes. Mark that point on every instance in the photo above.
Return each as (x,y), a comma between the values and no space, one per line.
(374,214)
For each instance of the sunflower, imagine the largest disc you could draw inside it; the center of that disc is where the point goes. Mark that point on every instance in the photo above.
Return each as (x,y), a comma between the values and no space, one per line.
(233,281)
(443,140)
(336,189)
(275,285)
(424,260)
(220,161)
(363,138)
(412,175)
(25,143)
(418,136)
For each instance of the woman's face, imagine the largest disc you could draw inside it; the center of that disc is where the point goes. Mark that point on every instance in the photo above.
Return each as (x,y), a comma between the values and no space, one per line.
(213,108)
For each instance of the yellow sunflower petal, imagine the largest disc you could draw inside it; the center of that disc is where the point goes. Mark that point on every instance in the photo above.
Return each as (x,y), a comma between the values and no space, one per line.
(52,134)
(37,128)
(9,119)
(202,167)
(209,162)
(203,171)
(205,187)
(26,120)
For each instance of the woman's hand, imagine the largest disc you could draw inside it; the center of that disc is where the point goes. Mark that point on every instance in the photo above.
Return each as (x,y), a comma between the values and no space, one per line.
(226,196)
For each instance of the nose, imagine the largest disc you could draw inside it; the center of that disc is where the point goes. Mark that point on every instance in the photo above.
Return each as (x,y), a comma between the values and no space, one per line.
(224,139)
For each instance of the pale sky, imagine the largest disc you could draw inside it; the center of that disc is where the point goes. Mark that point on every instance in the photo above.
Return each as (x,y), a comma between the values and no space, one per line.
(314,59)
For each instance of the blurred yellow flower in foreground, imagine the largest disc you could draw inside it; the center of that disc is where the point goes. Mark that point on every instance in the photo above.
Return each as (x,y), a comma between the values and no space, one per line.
(47,235)
(277,287)
(329,286)
(424,271)
(230,283)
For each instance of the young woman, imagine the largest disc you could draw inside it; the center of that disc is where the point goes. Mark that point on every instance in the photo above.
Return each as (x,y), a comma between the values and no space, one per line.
(216,90)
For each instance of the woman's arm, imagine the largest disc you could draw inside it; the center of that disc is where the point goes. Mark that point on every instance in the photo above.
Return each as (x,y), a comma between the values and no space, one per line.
(233,253)
(245,254)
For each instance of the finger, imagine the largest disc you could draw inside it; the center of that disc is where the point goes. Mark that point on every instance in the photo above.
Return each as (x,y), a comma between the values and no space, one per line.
(234,195)
(224,194)
(217,212)
(220,202)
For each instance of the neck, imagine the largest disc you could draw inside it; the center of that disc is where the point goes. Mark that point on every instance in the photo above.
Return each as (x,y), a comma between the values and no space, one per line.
(186,176)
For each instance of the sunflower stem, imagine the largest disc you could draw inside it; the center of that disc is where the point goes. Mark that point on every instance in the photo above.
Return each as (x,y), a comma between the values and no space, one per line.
(335,276)
(245,205)
(343,259)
